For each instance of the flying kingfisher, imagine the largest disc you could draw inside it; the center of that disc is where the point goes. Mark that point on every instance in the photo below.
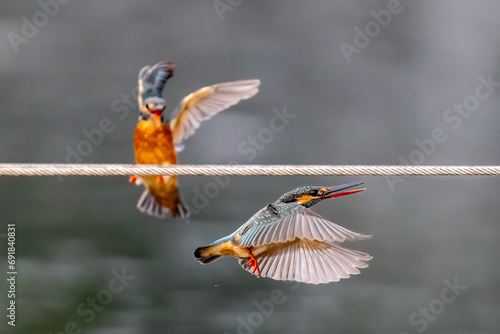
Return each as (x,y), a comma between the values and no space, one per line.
(157,140)
(287,241)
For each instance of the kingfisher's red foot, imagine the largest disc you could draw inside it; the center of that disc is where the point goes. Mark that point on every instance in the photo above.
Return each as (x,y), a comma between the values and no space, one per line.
(133,178)
(160,179)
(252,263)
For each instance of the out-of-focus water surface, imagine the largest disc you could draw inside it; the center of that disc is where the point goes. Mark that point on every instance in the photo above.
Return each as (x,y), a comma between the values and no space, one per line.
(393,101)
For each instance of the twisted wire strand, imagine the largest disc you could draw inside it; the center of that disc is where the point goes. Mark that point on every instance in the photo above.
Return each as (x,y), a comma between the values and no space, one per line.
(29,169)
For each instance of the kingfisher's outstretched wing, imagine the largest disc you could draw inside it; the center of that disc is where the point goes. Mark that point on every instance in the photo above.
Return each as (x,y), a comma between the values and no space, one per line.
(306,261)
(152,80)
(279,223)
(206,102)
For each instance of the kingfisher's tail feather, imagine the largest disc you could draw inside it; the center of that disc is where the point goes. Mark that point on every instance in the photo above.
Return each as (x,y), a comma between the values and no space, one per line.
(147,204)
(202,254)
(180,210)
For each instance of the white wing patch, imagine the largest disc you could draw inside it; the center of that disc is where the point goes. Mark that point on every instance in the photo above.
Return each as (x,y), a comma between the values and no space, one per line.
(285,222)
(306,261)
(206,102)
(179,148)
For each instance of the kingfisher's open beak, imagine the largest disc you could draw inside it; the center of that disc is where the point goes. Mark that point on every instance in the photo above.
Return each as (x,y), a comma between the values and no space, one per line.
(157,113)
(337,191)
(156,109)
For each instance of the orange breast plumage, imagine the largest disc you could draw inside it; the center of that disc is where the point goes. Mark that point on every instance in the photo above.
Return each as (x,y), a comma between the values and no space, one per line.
(153,144)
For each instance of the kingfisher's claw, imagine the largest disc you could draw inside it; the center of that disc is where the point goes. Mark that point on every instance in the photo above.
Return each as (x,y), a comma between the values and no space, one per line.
(252,263)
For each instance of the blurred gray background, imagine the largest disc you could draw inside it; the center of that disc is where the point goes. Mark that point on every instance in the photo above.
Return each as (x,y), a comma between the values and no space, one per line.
(73,232)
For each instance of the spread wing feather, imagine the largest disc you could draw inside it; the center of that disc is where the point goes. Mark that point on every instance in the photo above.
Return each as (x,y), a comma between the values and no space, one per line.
(308,261)
(152,79)
(285,222)
(206,102)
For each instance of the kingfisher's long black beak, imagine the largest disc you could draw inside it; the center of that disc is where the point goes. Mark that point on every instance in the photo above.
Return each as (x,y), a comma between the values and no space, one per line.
(337,191)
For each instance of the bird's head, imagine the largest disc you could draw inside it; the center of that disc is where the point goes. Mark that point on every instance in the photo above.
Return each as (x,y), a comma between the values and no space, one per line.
(309,195)
(153,106)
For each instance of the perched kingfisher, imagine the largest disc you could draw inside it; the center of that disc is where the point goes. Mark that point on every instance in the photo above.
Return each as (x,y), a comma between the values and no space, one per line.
(157,140)
(287,241)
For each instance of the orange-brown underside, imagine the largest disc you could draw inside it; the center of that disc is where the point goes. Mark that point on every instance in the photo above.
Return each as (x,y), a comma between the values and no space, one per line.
(153,144)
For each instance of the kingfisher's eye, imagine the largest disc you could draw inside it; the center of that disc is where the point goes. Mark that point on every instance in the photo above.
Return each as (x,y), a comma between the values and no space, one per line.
(313,193)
